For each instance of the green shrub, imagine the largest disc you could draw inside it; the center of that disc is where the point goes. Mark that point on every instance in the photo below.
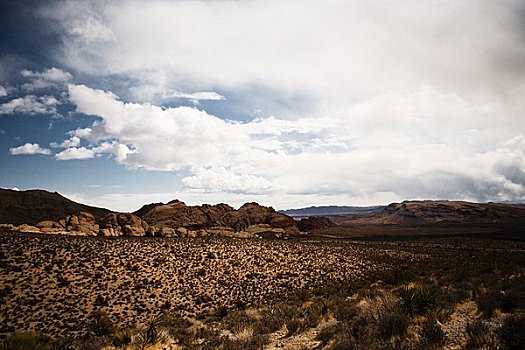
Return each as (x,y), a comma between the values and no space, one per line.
(26,341)
(100,324)
(512,332)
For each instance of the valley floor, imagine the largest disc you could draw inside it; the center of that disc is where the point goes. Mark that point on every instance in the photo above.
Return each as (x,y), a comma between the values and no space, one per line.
(326,291)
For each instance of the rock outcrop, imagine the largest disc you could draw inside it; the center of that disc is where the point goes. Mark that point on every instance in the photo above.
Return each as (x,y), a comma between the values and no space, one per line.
(124,224)
(50,213)
(315,223)
(176,218)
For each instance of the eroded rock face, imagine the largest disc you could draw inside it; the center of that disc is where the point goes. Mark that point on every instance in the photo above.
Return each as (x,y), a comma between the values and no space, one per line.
(314,223)
(123,224)
(176,214)
(215,220)
(254,214)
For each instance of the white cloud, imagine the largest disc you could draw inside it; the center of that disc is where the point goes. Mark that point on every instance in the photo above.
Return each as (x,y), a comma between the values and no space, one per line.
(3,91)
(406,100)
(73,141)
(198,96)
(29,148)
(75,153)
(336,51)
(222,180)
(48,78)
(90,29)
(418,149)
(31,104)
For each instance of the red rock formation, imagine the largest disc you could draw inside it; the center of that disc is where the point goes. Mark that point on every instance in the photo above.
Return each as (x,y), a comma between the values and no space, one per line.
(315,223)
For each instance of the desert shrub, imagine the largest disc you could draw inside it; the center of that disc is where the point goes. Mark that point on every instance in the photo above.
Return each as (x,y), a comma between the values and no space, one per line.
(342,309)
(204,338)
(293,326)
(479,335)
(512,332)
(418,300)
(121,338)
(392,322)
(488,302)
(313,313)
(510,300)
(153,329)
(327,332)
(26,341)
(237,321)
(302,294)
(431,332)
(271,320)
(100,324)
(222,312)
(178,328)
(396,276)
(255,342)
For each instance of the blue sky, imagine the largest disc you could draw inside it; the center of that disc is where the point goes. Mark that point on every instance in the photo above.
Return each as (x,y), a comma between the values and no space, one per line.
(122,103)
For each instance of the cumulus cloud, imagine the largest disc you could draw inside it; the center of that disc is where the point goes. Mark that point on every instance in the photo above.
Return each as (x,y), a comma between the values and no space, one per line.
(29,148)
(75,153)
(73,141)
(48,78)
(406,100)
(31,104)
(220,179)
(420,149)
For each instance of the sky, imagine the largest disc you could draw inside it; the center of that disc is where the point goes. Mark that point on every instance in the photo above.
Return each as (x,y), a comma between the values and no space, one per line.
(286,103)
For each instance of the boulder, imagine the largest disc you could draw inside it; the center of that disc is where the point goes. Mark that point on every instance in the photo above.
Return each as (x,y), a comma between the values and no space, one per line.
(123,224)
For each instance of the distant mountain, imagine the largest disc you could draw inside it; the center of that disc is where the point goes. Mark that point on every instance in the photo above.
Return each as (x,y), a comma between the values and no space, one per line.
(331,211)
(32,206)
(435,212)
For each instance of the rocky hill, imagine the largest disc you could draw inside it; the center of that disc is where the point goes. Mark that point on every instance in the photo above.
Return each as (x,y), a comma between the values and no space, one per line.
(251,219)
(315,223)
(433,212)
(45,212)
(32,206)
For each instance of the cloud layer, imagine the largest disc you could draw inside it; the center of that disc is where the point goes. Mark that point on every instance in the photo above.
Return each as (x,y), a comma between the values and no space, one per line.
(371,101)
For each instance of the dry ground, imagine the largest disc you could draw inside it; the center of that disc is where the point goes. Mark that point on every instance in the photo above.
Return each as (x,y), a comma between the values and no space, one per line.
(51,284)
(409,288)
